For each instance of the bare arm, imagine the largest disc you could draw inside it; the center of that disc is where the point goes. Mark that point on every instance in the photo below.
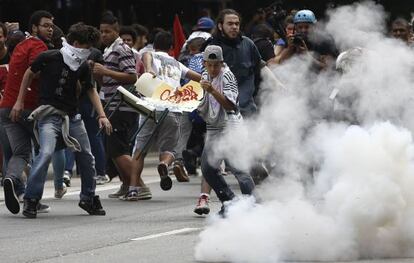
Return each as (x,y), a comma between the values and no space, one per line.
(18,107)
(96,102)
(147,61)
(193,75)
(224,102)
(100,70)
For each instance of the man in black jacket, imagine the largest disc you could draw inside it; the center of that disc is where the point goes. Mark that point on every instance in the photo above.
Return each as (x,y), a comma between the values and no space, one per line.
(240,54)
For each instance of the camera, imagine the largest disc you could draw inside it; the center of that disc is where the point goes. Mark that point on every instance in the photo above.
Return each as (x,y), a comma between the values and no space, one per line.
(298,39)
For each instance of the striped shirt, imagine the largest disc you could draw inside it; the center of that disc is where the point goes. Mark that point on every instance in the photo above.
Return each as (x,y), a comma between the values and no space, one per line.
(196,63)
(118,57)
(210,109)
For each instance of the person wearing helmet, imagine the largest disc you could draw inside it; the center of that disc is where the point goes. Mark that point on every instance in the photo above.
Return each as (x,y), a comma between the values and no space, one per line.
(308,38)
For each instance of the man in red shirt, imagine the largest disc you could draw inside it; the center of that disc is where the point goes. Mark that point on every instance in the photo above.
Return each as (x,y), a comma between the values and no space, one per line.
(19,130)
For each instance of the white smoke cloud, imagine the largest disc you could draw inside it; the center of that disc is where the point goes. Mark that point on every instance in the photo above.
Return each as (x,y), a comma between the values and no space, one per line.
(358,201)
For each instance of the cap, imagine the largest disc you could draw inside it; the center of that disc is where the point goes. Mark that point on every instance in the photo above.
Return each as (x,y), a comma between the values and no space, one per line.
(213,53)
(205,23)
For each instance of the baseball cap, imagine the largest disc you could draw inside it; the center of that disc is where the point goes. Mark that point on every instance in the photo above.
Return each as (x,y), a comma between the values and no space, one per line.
(213,53)
(205,23)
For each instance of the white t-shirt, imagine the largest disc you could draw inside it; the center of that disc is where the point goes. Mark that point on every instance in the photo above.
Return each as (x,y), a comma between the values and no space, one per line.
(168,68)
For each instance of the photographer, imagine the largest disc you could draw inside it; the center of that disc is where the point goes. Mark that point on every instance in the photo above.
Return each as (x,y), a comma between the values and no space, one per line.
(308,40)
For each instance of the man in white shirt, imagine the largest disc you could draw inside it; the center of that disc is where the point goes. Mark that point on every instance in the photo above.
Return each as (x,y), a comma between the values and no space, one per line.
(166,68)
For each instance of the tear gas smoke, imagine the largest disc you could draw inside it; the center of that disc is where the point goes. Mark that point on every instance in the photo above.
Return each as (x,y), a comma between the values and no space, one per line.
(337,191)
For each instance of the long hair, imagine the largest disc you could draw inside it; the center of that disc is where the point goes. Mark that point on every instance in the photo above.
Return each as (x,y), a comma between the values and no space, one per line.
(220,19)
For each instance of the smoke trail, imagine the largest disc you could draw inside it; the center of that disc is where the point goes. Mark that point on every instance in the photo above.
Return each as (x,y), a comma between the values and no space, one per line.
(357,202)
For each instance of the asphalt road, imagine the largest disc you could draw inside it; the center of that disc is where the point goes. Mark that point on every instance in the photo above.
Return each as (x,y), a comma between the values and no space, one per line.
(163,229)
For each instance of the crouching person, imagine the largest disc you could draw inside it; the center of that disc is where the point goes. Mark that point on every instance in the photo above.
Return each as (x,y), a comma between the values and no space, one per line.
(57,122)
(219,109)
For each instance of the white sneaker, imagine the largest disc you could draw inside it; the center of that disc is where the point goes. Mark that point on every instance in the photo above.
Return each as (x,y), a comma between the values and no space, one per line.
(59,193)
(102,179)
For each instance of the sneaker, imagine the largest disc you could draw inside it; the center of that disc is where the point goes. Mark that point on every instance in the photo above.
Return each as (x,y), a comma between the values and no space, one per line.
(102,179)
(93,206)
(121,192)
(42,208)
(166,182)
(259,173)
(59,193)
(66,178)
(130,196)
(223,211)
(30,208)
(10,197)
(202,205)
(180,172)
(21,198)
(144,193)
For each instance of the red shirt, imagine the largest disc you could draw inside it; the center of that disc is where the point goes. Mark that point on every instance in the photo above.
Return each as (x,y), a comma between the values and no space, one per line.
(3,77)
(23,56)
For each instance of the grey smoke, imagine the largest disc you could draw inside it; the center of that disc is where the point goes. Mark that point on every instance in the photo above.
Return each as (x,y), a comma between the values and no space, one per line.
(338,191)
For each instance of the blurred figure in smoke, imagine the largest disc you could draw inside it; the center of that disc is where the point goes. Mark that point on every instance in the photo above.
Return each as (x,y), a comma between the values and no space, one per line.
(307,39)
(400,29)
(343,101)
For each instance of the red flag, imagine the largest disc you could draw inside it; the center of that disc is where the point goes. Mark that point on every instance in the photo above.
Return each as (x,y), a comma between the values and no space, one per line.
(179,37)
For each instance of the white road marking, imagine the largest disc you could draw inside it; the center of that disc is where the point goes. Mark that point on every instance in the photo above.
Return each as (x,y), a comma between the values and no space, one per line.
(169,233)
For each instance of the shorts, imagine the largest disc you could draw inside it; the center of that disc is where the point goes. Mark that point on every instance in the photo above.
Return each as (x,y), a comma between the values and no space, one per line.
(119,142)
(165,139)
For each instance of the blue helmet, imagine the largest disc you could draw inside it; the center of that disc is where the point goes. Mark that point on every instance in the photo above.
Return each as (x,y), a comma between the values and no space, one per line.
(304,16)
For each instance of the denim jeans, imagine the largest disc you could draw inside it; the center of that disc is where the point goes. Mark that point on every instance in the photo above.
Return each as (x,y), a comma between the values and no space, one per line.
(19,134)
(5,147)
(92,128)
(70,160)
(210,167)
(50,129)
(97,146)
(58,162)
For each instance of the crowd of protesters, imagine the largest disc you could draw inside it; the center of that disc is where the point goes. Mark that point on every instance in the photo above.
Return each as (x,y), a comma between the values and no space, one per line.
(54,87)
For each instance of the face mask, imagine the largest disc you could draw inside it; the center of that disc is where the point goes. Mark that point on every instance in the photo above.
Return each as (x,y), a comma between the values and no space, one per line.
(72,56)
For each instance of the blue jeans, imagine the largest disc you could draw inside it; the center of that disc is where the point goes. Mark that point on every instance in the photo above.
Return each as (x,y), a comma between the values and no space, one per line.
(70,160)
(5,147)
(210,167)
(50,130)
(58,162)
(19,134)
(92,128)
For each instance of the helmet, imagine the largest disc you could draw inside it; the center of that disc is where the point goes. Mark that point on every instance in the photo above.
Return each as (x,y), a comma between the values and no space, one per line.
(304,16)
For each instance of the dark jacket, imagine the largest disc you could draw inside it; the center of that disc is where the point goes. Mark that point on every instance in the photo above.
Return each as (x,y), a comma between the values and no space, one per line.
(243,59)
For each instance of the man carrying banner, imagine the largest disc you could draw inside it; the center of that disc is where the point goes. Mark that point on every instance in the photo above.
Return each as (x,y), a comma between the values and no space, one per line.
(169,70)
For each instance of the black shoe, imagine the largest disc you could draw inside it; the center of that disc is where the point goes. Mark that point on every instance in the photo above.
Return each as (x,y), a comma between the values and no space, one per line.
(42,208)
(93,207)
(223,212)
(30,208)
(166,182)
(10,197)
(259,173)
